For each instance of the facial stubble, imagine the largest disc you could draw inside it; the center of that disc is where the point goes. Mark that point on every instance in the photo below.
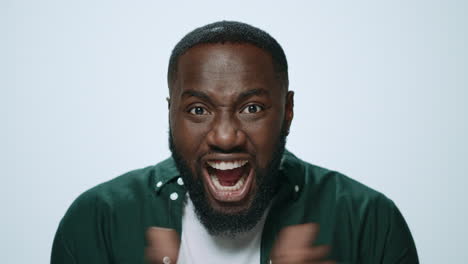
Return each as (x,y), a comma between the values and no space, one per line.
(230,224)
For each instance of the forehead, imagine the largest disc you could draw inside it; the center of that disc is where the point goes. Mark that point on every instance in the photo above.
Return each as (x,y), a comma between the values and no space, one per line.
(227,65)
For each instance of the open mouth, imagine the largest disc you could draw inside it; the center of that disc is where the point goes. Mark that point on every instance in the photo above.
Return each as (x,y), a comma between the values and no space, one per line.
(228,181)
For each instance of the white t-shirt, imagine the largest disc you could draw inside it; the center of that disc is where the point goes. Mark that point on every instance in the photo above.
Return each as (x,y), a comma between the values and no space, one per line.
(199,247)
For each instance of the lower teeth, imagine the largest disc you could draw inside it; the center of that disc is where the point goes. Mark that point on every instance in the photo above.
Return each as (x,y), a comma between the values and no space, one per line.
(235,187)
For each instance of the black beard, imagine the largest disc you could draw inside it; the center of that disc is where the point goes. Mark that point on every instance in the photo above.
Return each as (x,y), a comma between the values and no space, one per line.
(230,224)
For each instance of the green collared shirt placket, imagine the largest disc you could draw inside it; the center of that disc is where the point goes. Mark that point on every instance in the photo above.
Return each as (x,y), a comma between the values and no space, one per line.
(168,185)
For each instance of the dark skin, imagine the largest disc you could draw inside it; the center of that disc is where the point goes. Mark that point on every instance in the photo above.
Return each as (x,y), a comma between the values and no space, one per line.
(228,98)
(294,245)
(228,103)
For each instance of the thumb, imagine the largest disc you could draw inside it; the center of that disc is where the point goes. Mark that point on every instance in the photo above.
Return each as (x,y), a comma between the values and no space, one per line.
(162,245)
(296,236)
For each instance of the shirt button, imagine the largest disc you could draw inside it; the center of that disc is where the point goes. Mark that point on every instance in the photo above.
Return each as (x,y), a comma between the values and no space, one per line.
(174,196)
(159,184)
(180,181)
(296,188)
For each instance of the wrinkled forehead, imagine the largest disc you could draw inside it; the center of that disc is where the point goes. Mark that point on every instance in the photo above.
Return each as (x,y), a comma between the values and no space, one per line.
(225,65)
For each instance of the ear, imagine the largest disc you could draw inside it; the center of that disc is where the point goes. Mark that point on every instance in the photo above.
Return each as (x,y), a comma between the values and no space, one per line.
(289,110)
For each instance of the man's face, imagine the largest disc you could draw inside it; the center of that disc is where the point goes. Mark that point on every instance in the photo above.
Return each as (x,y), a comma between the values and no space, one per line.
(229,114)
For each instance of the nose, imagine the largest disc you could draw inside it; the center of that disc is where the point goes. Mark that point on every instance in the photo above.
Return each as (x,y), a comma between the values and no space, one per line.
(226,136)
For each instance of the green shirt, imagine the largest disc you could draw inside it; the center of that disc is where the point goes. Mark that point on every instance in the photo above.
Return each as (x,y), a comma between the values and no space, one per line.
(107,223)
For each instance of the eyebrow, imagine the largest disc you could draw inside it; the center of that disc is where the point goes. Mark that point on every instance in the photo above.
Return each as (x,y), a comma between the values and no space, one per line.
(253,92)
(201,95)
(241,96)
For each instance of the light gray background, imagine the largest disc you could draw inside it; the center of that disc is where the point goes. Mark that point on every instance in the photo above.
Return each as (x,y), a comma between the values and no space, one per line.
(381,92)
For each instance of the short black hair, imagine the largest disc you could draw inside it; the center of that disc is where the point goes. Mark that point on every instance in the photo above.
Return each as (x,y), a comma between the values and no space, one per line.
(230,32)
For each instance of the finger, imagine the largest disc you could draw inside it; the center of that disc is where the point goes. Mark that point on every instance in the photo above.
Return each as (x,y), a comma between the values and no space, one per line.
(158,235)
(317,252)
(297,236)
(153,256)
(163,245)
(302,255)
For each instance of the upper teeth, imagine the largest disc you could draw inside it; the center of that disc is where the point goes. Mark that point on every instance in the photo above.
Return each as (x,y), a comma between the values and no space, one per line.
(227,165)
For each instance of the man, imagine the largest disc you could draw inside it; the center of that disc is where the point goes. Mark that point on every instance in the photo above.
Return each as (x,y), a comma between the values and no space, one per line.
(231,193)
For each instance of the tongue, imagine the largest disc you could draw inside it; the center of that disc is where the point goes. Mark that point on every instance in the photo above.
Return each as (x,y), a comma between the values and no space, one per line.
(229,177)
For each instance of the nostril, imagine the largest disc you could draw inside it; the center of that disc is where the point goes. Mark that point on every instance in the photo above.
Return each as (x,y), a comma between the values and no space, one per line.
(225,137)
(234,149)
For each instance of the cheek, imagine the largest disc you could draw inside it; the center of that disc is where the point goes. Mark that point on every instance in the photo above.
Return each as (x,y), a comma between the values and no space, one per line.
(188,136)
(264,136)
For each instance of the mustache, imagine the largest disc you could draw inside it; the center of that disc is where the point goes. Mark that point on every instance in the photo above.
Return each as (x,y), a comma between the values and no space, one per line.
(213,149)
(236,149)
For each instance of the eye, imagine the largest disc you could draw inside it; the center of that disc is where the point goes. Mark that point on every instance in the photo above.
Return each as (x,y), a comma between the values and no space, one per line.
(252,109)
(198,110)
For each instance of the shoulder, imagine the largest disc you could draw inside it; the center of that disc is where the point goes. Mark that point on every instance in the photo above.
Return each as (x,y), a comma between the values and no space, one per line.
(129,186)
(129,190)
(332,185)
(343,205)
(87,232)
(121,201)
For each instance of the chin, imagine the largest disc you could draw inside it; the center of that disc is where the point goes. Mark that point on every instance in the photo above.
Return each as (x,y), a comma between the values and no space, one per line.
(231,208)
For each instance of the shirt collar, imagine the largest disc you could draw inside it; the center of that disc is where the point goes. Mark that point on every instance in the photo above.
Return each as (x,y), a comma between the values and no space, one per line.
(165,172)
(293,170)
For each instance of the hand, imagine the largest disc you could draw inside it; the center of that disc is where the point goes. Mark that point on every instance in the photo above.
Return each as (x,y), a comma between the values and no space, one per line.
(163,245)
(295,245)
